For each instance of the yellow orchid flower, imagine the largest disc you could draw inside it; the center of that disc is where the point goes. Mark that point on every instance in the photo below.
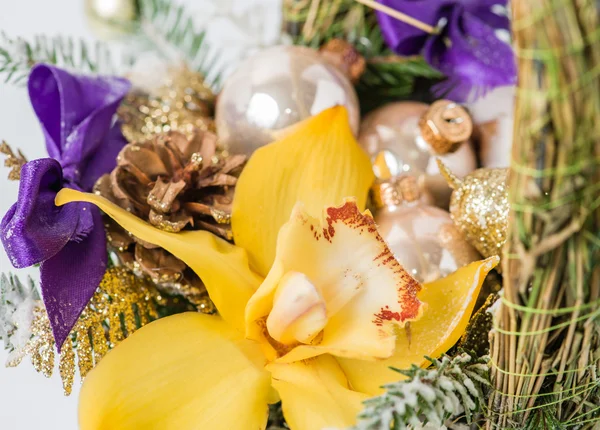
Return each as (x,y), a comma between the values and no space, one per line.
(318,330)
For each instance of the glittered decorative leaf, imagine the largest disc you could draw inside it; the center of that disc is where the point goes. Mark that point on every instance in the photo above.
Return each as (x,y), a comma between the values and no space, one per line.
(13,161)
(122,304)
(17,301)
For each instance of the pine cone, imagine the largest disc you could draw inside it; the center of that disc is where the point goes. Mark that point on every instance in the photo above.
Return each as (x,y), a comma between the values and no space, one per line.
(174,183)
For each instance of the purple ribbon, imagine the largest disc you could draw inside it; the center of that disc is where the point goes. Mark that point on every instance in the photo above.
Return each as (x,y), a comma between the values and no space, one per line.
(76,114)
(467,50)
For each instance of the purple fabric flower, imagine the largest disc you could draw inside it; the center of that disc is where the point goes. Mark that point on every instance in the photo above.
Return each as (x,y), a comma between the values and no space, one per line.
(467,50)
(76,114)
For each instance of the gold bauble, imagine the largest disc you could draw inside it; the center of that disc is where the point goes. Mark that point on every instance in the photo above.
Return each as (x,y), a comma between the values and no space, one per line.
(479,207)
(110,19)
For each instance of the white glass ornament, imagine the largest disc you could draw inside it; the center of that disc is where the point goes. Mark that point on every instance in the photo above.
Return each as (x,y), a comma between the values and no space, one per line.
(275,89)
(423,238)
(411,135)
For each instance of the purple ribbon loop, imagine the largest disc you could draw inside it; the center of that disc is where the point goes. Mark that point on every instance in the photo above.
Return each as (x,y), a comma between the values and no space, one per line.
(77,116)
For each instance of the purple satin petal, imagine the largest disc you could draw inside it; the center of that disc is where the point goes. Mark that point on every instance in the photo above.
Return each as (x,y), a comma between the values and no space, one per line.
(76,113)
(467,51)
(103,161)
(70,278)
(34,229)
(476,60)
(405,39)
(483,10)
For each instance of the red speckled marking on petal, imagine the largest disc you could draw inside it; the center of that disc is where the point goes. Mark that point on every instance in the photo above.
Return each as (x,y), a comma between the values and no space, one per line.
(407,286)
(348,214)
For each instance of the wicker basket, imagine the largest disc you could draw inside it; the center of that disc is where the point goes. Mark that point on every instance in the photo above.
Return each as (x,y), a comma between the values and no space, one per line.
(545,348)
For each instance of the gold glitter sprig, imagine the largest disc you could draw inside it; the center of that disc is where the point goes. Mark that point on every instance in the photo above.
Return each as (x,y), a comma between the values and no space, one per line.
(14,162)
(122,304)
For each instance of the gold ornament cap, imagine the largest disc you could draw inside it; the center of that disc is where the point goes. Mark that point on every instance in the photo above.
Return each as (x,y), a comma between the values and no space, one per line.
(445,126)
(395,191)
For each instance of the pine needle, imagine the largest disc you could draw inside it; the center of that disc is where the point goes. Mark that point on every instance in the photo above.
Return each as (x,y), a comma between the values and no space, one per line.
(451,387)
(18,56)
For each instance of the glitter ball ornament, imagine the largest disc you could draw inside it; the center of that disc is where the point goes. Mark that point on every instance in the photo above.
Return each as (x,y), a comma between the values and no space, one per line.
(422,237)
(275,89)
(411,135)
(479,207)
(182,103)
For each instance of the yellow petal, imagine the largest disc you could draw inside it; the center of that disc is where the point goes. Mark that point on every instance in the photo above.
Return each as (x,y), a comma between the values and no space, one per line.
(318,162)
(450,302)
(366,293)
(222,267)
(188,371)
(315,394)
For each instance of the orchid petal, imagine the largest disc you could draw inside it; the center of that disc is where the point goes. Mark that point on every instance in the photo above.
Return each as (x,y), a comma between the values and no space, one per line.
(187,371)
(318,163)
(366,293)
(222,267)
(450,302)
(315,394)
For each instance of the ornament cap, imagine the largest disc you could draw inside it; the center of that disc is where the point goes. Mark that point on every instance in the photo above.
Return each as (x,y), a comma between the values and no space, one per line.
(395,191)
(344,55)
(445,126)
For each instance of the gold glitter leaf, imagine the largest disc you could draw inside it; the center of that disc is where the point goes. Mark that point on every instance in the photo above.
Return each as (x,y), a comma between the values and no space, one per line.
(14,162)
(475,339)
(122,304)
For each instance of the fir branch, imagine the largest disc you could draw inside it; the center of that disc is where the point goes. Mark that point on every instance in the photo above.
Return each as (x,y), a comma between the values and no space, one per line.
(451,387)
(387,77)
(276,420)
(17,303)
(390,78)
(544,418)
(18,56)
(171,29)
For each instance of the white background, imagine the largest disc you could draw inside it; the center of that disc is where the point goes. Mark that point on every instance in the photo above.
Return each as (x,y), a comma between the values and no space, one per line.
(28,400)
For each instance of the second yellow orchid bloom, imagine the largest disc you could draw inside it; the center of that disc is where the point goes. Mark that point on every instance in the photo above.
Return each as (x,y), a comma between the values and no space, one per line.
(319,332)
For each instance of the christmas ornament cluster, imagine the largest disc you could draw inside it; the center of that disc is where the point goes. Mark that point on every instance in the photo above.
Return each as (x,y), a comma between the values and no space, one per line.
(291,240)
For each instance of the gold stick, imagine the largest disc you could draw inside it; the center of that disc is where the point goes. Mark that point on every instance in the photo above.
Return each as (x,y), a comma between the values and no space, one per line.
(398,15)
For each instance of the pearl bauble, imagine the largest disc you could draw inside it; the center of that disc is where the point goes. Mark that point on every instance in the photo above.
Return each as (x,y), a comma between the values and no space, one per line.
(423,238)
(396,130)
(275,89)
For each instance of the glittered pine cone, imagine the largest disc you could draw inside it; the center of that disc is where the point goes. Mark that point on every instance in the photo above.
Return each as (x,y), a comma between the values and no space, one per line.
(174,183)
